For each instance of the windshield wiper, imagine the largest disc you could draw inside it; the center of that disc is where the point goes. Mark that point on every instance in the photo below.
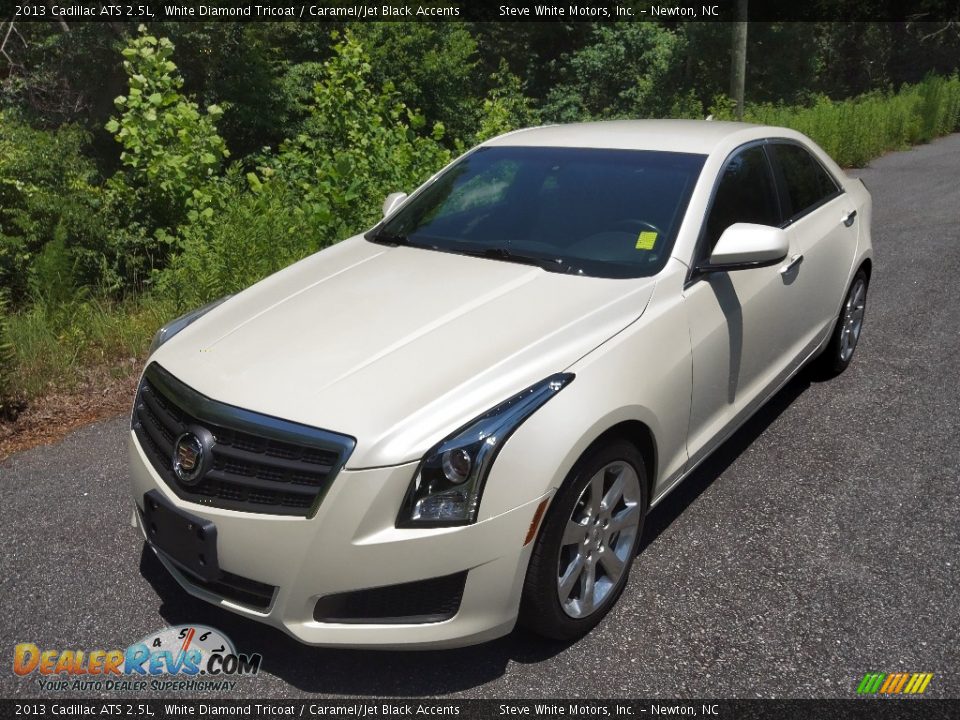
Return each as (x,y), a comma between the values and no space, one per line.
(385,238)
(496,253)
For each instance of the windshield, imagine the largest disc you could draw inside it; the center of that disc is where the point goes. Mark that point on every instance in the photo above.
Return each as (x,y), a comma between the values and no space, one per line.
(604,213)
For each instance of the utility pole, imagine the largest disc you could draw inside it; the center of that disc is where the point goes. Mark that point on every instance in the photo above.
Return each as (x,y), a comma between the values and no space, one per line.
(738,57)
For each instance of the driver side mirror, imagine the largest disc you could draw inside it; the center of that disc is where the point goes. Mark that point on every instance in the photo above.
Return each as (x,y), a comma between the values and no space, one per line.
(393,202)
(745,245)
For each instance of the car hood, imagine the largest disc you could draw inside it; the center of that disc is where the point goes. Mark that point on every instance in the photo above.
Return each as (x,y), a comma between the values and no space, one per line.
(396,346)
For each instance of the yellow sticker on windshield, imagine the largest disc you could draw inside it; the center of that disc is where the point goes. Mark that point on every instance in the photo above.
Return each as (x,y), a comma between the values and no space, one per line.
(646,240)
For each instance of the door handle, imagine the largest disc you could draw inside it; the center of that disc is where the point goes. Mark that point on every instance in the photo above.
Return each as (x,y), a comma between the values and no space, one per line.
(849,218)
(794,261)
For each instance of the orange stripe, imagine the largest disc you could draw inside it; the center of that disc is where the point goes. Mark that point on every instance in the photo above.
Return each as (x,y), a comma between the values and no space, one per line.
(535,523)
(893,685)
(903,679)
(889,681)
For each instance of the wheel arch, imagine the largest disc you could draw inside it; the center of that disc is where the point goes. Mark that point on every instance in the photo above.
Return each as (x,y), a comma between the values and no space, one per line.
(540,609)
(638,434)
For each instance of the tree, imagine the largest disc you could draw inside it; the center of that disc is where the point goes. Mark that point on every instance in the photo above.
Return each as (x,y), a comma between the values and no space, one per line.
(506,107)
(170,147)
(625,70)
(738,58)
(434,67)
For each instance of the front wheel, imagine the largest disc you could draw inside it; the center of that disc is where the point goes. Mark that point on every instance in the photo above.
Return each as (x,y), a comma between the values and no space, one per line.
(583,555)
(846,334)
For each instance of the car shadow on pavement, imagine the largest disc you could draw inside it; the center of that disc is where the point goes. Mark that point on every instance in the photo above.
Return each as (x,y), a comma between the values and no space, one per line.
(355,673)
(671,507)
(362,673)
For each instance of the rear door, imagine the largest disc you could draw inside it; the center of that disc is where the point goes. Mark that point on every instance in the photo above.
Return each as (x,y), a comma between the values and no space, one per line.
(822,225)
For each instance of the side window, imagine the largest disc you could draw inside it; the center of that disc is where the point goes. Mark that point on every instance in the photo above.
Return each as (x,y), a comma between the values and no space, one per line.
(808,184)
(745,194)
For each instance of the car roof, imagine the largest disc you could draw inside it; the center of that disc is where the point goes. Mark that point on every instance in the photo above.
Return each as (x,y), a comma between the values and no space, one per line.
(690,136)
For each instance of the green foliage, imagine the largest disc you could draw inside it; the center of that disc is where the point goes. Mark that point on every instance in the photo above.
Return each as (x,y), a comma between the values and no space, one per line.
(506,107)
(57,346)
(326,183)
(8,403)
(57,78)
(624,72)
(52,279)
(47,192)
(432,66)
(536,52)
(360,133)
(170,148)
(256,232)
(857,130)
(105,234)
(237,66)
(783,60)
(296,87)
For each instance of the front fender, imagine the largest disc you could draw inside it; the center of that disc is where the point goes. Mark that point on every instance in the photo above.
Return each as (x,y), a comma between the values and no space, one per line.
(642,374)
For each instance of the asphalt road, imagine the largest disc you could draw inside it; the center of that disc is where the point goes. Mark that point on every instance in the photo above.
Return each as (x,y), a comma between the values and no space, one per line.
(821,542)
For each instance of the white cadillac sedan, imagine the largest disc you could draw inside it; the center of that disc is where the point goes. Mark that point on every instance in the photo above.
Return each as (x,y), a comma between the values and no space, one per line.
(462,417)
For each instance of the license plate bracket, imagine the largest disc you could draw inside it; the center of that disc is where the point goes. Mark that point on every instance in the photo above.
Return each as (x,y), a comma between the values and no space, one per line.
(189,541)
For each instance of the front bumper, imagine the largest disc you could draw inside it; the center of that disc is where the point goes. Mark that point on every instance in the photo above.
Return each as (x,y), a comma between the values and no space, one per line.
(352,544)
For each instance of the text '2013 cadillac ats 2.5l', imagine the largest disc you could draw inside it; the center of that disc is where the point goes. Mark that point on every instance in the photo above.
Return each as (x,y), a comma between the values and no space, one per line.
(461,418)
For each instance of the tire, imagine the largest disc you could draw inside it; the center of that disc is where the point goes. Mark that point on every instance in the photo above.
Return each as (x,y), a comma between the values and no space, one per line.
(562,563)
(846,333)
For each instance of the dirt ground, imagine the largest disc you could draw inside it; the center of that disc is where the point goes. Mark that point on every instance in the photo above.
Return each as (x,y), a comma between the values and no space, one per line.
(49,418)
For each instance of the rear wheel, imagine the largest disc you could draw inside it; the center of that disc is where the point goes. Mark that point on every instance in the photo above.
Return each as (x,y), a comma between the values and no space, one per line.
(846,334)
(586,547)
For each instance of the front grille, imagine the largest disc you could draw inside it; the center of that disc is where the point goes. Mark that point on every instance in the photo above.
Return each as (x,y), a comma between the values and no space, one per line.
(423,601)
(259,463)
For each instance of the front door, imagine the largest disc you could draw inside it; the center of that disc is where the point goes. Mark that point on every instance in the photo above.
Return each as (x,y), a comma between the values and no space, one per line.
(737,318)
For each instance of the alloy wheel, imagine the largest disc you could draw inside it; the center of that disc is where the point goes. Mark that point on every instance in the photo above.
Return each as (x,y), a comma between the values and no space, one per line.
(598,539)
(852,319)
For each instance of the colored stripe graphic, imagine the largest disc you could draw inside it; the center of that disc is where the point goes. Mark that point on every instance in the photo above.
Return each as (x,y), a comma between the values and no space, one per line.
(888,683)
(894,683)
(871,683)
(901,680)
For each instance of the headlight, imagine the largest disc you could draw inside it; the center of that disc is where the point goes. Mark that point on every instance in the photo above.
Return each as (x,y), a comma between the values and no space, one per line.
(175,326)
(449,481)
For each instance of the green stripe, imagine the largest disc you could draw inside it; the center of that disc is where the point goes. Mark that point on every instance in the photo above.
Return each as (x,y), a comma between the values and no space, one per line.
(871,683)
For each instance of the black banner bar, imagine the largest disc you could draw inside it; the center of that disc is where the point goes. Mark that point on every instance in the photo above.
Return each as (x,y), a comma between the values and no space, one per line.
(940,11)
(854,709)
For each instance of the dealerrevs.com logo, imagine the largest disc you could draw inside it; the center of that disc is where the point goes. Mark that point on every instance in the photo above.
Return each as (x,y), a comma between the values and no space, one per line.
(186,657)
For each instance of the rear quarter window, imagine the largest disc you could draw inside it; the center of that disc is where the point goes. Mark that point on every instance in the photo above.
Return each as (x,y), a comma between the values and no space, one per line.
(807,183)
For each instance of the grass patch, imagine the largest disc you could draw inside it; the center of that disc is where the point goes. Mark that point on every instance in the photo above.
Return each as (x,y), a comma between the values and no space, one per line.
(855,131)
(54,347)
